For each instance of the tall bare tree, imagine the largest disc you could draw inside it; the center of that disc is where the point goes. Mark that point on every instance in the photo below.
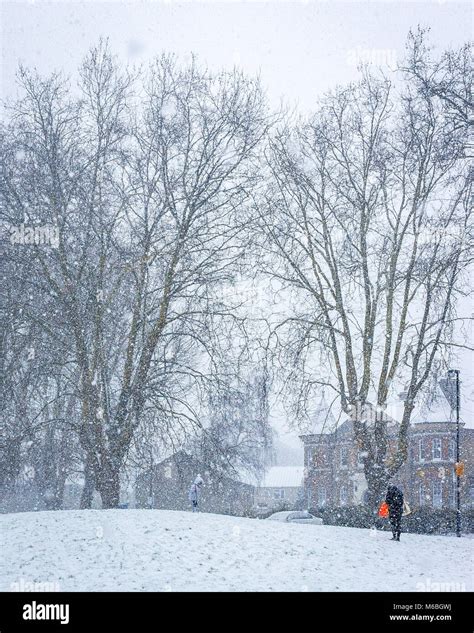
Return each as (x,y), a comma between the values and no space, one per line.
(365,226)
(145,183)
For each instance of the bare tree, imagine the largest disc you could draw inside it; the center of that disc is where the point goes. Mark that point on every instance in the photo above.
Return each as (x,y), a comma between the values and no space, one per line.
(237,437)
(448,78)
(146,189)
(63,180)
(365,226)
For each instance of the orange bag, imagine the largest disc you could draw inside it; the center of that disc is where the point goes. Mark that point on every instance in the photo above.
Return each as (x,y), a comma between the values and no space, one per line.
(383,510)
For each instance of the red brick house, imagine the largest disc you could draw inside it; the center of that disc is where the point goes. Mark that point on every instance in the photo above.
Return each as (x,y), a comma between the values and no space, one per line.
(334,472)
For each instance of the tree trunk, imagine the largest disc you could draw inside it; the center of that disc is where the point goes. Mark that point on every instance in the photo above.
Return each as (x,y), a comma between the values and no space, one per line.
(377,482)
(110,487)
(59,492)
(89,486)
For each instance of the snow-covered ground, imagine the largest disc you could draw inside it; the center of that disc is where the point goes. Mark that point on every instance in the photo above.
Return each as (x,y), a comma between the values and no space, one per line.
(158,550)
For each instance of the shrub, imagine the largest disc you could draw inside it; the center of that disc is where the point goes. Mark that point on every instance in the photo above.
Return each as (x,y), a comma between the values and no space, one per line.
(349,516)
(420,521)
(433,521)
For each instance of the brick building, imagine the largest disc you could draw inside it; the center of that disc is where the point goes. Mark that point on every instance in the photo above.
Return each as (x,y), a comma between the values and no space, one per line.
(334,470)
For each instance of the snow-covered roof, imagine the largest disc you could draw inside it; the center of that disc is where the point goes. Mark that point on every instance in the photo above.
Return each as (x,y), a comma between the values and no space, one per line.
(428,408)
(432,408)
(283,477)
(436,410)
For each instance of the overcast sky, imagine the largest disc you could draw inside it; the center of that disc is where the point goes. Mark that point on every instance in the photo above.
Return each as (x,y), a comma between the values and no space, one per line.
(300,48)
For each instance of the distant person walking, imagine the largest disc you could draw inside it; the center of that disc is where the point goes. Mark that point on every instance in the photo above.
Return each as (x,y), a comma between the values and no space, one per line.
(394,500)
(195,493)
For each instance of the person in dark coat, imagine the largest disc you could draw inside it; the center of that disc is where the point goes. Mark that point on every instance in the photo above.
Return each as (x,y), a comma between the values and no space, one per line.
(394,500)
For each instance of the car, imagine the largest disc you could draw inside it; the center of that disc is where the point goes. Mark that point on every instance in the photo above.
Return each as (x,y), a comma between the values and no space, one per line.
(295,517)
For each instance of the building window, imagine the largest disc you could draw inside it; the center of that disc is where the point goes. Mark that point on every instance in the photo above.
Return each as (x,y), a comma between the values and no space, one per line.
(422,495)
(421,450)
(452,492)
(319,458)
(343,496)
(322,497)
(344,456)
(471,490)
(437,493)
(436,448)
(279,493)
(452,450)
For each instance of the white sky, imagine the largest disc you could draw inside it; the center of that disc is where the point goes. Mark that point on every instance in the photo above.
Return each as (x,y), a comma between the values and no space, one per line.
(300,48)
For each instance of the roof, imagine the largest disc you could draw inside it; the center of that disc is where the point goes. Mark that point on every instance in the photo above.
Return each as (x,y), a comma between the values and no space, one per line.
(429,408)
(346,428)
(184,460)
(436,409)
(283,477)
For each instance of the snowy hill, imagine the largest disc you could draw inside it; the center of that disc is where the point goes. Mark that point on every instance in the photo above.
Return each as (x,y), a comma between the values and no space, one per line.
(158,550)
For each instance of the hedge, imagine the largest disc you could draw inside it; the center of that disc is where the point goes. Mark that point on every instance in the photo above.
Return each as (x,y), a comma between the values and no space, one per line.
(420,521)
